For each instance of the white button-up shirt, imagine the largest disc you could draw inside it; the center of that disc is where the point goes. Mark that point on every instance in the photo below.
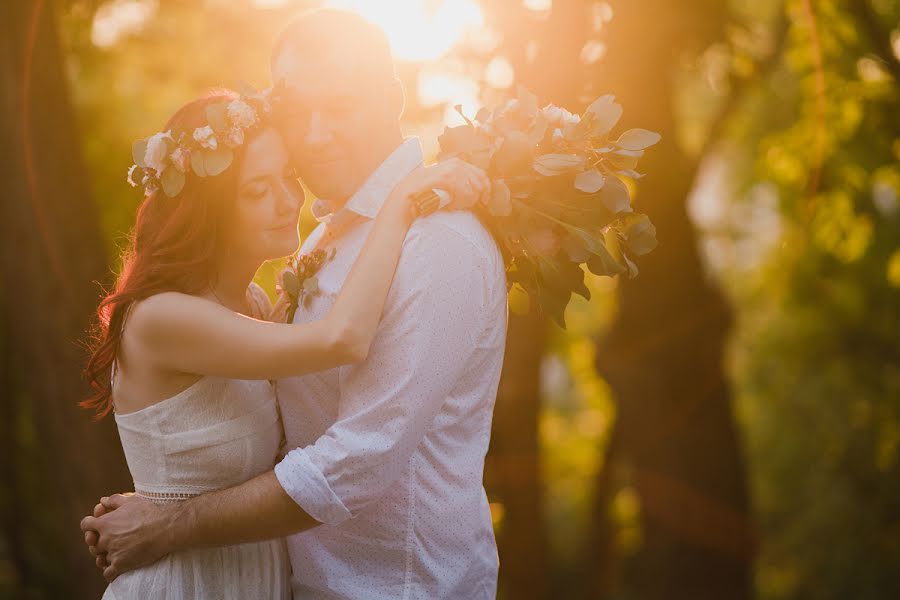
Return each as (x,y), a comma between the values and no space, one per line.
(389,454)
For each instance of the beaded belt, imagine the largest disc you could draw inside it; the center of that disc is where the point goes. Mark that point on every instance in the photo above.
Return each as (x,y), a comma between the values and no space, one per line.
(165,496)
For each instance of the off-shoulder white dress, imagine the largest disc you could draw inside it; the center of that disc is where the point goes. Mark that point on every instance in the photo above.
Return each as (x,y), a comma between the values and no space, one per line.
(213,435)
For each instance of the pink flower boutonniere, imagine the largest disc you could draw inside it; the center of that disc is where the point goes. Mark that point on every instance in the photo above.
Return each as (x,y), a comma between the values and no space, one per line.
(298,283)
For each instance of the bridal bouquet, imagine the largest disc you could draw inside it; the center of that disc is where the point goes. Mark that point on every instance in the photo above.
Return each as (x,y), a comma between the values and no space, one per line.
(557,198)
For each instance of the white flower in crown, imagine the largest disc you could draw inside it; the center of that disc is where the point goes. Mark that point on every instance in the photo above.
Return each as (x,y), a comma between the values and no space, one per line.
(241,114)
(265,99)
(235,137)
(155,155)
(130,178)
(181,158)
(206,137)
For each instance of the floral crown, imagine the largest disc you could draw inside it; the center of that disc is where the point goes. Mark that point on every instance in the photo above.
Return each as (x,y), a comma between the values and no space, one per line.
(163,160)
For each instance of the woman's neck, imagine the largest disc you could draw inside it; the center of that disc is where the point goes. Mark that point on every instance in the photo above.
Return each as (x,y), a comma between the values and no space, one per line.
(232,280)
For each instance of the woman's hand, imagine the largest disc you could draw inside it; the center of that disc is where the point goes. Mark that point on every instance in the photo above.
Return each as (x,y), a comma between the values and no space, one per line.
(465,183)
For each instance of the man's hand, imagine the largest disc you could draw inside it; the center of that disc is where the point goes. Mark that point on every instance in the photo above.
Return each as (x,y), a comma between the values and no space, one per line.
(127,532)
(91,538)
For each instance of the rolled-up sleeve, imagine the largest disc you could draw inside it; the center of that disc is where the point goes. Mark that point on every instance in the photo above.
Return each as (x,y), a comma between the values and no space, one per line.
(431,327)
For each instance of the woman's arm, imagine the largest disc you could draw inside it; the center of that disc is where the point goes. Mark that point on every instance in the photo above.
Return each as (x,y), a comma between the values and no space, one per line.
(189,334)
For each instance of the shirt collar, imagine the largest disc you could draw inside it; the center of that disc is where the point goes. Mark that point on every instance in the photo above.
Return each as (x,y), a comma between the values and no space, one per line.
(370,197)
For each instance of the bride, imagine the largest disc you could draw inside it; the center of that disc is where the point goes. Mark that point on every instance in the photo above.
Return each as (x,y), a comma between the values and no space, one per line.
(184,355)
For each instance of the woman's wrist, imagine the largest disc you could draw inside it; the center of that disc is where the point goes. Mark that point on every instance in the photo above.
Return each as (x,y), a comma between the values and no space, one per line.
(400,206)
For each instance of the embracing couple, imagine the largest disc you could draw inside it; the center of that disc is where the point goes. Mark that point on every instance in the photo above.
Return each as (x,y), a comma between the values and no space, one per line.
(337,456)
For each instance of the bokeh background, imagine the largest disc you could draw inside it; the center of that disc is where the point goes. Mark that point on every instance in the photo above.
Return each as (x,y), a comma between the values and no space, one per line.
(725,426)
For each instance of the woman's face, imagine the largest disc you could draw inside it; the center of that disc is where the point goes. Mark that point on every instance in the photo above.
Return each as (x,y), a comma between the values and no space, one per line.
(269,198)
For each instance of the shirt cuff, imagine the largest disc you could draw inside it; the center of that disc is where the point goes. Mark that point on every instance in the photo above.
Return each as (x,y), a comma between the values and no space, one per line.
(307,486)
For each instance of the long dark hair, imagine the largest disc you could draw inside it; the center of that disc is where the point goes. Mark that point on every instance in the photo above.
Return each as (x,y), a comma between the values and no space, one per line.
(173,246)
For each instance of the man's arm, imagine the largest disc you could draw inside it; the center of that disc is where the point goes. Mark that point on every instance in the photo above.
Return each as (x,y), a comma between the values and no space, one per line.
(134,532)
(434,322)
(387,405)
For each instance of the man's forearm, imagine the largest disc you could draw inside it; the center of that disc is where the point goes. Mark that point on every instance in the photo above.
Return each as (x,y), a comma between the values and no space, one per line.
(256,510)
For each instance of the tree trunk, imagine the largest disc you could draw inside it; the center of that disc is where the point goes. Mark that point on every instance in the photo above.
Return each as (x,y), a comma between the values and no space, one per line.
(555,75)
(513,468)
(52,256)
(674,440)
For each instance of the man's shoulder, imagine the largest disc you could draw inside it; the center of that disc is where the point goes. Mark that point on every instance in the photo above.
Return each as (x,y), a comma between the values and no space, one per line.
(460,230)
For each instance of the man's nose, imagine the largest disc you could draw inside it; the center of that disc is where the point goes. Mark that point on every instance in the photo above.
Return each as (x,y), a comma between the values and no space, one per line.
(318,133)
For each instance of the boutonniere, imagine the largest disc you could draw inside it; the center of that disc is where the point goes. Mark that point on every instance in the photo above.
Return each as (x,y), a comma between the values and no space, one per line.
(298,283)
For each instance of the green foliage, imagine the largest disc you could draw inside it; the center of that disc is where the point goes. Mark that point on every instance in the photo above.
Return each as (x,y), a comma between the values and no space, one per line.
(816,349)
(557,201)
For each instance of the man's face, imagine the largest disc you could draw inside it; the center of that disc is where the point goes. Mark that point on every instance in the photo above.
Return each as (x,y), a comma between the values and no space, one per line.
(336,120)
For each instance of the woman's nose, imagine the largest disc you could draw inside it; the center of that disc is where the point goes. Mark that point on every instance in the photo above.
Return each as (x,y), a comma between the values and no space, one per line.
(290,197)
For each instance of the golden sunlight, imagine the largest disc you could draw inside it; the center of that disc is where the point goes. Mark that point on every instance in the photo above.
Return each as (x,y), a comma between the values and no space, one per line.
(418,32)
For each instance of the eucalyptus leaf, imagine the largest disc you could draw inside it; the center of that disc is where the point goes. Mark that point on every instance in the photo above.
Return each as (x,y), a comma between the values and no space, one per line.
(519,300)
(603,264)
(500,203)
(608,113)
(627,152)
(197,163)
(638,232)
(632,268)
(217,117)
(172,181)
(216,161)
(459,139)
(614,196)
(575,249)
(138,150)
(556,164)
(290,283)
(553,304)
(638,139)
(589,181)
(622,162)
(170,144)
(514,153)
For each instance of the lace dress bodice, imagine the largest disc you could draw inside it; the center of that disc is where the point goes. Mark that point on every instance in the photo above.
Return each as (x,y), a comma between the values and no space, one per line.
(215,434)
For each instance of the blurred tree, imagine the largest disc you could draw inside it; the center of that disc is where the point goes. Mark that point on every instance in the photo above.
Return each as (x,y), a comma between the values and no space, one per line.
(550,69)
(817,356)
(674,444)
(58,462)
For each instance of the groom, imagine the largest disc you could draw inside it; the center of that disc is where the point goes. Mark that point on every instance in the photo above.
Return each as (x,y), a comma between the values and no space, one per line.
(381,492)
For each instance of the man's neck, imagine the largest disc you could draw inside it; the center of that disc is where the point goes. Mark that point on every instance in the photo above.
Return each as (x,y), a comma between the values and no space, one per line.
(388,148)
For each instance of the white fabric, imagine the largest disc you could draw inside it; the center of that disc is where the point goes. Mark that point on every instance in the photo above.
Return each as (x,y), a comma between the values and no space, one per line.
(389,454)
(215,434)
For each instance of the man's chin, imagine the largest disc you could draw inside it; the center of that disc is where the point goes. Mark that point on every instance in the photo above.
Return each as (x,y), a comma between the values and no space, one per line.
(330,189)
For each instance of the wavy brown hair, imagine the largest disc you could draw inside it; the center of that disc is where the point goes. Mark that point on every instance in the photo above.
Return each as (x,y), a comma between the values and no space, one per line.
(173,247)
